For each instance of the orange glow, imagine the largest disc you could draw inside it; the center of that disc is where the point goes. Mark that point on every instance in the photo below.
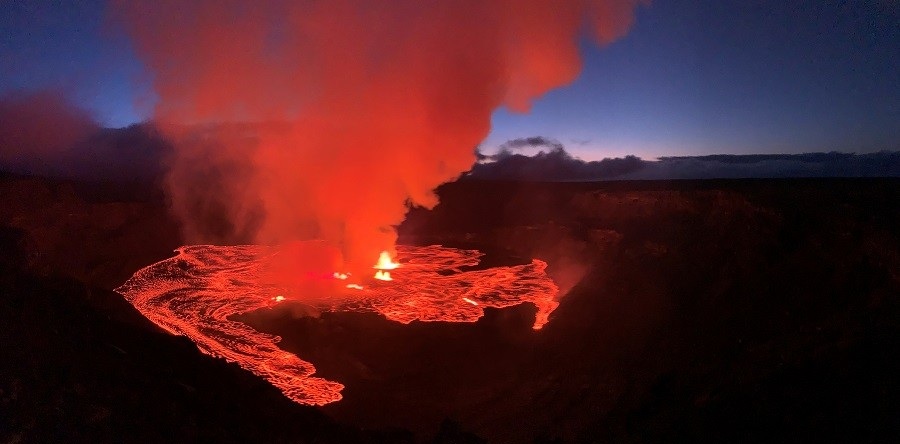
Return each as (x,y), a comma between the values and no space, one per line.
(385,262)
(196,293)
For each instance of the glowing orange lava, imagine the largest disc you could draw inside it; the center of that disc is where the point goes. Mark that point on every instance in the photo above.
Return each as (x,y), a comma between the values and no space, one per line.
(384,264)
(194,294)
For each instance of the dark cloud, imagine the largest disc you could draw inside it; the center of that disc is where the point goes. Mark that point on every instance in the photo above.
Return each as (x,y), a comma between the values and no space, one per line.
(553,165)
(531,142)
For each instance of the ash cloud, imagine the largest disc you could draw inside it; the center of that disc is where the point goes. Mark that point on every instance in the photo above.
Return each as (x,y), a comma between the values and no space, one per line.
(327,119)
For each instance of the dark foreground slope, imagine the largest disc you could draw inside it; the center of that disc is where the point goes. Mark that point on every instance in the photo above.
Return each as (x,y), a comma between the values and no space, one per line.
(734,311)
(739,311)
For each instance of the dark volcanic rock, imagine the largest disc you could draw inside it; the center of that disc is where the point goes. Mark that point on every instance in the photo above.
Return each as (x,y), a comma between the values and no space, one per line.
(712,311)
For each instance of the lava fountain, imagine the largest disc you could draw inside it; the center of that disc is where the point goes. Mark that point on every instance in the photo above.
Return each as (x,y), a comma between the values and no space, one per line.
(196,293)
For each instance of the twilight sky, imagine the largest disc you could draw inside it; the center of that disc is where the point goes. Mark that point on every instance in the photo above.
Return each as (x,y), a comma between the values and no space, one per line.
(691,78)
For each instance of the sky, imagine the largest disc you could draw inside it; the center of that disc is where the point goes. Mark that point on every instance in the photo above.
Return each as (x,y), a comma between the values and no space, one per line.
(690,78)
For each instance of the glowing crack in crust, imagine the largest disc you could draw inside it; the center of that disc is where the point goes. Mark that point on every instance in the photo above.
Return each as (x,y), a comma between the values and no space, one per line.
(194,294)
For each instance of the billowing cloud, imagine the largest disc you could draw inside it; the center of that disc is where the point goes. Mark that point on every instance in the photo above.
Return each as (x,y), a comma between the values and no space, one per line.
(327,118)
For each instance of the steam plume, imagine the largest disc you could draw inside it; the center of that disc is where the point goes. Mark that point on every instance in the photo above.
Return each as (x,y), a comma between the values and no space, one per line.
(327,118)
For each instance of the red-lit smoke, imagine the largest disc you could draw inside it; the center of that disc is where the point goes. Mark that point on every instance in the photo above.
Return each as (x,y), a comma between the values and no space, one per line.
(327,118)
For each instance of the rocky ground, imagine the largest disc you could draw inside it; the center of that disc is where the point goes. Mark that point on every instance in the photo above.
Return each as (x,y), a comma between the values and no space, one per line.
(707,311)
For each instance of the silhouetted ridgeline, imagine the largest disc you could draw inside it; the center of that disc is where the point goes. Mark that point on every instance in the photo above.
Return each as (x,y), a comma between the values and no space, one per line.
(133,153)
(833,164)
(556,164)
(137,153)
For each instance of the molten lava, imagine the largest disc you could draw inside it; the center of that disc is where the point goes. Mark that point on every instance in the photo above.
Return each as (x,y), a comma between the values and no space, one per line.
(384,264)
(196,292)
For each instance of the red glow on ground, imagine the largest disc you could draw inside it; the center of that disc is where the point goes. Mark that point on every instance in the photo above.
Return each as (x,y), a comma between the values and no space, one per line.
(194,293)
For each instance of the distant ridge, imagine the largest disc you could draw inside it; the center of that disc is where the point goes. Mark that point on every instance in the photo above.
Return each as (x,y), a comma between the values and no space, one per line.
(556,164)
(137,153)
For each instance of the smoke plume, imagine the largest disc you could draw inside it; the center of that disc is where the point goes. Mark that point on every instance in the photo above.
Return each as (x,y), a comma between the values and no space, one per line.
(329,118)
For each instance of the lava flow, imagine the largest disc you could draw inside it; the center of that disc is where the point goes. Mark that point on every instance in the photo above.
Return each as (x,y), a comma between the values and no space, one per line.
(196,292)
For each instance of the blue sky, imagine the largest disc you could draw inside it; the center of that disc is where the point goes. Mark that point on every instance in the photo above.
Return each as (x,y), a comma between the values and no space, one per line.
(692,77)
